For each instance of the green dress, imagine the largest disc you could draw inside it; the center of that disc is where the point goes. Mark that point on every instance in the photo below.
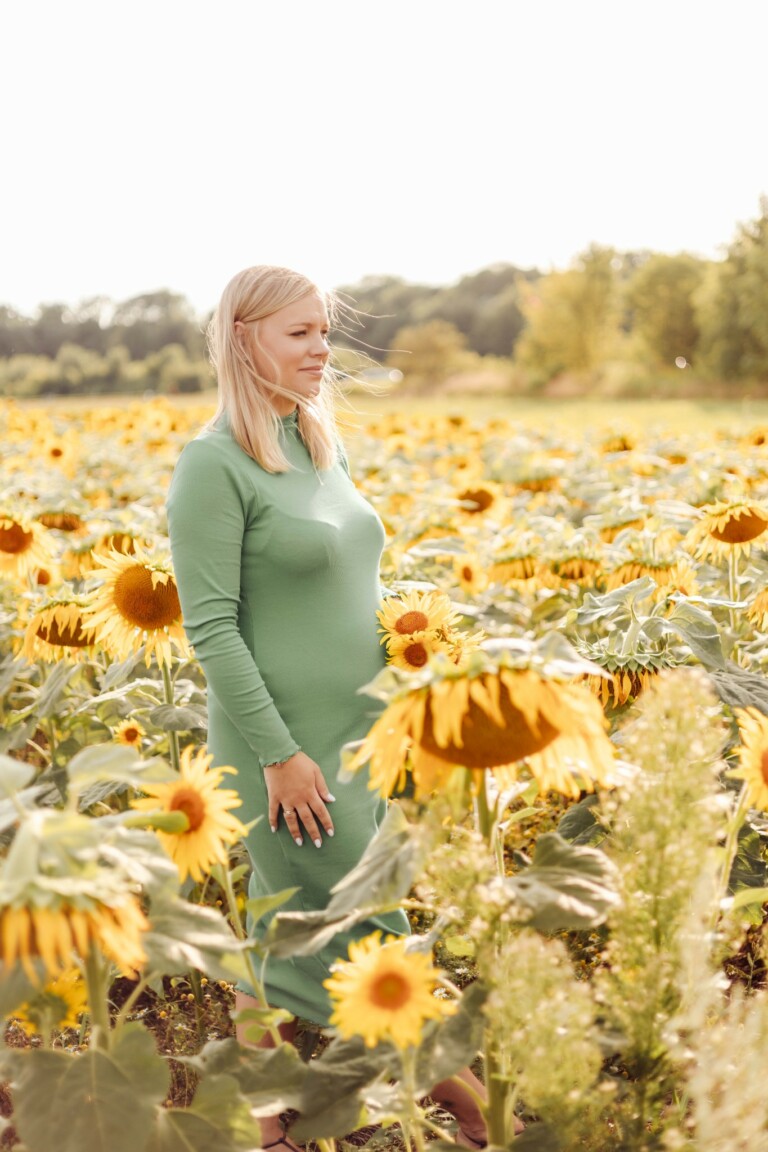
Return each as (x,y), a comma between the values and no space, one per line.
(278,577)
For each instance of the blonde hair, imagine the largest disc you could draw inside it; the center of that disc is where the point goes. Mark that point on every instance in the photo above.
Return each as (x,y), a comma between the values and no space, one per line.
(249,297)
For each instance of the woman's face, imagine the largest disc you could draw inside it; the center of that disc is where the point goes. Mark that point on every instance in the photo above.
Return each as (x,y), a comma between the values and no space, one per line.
(295,339)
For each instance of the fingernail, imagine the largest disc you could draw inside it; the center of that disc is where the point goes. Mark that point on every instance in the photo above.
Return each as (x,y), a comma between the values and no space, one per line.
(330,797)
(272,826)
(318,843)
(329,831)
(298,840)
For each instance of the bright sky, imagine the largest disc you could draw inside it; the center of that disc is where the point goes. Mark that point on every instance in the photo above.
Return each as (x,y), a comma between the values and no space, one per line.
(170,143)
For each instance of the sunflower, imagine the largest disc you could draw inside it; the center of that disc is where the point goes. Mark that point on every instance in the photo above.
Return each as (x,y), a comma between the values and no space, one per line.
(52,932)
(669,575)
(415,612)
(130,733)
(488,714)
(479,500)
(62,521)
(59,629)
(59,452)
(59,1004)
(24,546)
(212,827)
(471,575)
(383,992)
(758,610)
(725,529)
(753,756)
(413,651)
(138,604)
(514,569)
(611,528)
(627,676)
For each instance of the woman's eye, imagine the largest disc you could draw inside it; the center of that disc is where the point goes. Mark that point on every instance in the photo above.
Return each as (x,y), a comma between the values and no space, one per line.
(298,333)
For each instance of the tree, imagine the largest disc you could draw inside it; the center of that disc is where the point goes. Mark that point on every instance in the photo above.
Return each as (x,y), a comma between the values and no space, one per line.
(732,306)
(660,296)
(427,353)
(573,318)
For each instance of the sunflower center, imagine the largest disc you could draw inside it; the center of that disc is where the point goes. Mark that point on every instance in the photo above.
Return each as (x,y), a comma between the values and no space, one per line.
(411,622)
(131,736)
(740,529)
(485,744)
(188,801)
(481,497)
(416,655)
(466,572)
(14,539)
(390,991)
(141,604)
(70,635)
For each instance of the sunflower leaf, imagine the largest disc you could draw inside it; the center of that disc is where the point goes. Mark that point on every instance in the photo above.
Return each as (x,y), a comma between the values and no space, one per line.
(740,688)
(566,886)
(172,718)
(183,936)
(387,868)
(596,607)
(304,933)
(219,1117)
(331,1102)
(271,1078)
(102,1101)
(452,1043)
(14,775)
(695,628)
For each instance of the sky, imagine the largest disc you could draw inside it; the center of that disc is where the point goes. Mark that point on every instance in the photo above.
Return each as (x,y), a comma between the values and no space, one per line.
(167,144)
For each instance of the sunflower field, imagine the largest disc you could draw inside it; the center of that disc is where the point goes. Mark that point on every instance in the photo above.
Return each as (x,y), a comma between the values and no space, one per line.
(574,732)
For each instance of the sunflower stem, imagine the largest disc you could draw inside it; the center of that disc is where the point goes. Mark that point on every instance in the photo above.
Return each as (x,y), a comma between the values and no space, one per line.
(122,1015)
(733,585)
(414,1137)
(729,851)
(96,984)
(496,1087)
(237,925)
(173,737)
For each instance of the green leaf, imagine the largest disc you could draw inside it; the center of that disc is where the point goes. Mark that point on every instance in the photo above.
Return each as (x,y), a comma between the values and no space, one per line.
(597,607)
(386,870)
(51,692)
(739,688)
(96,1101)
(566,886)
(219,1117)
(15,989)
(749,896)
(119,671)
(331,1104)
(304,933)
(695,628)
(183,936)
(271,1078)
(14,775)
(172,718)
(261,906)
(453,1043)
(579,825)
(459,946)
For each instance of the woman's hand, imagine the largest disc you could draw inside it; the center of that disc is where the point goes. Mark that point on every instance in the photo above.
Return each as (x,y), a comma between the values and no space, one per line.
(299,788)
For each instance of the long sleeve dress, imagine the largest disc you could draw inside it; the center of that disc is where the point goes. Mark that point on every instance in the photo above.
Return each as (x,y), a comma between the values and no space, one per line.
(278,578)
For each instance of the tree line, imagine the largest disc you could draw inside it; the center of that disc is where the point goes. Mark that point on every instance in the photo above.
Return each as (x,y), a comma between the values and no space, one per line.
(613,319)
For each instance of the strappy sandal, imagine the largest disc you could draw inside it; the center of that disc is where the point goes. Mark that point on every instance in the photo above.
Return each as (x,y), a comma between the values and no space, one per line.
(282,1140)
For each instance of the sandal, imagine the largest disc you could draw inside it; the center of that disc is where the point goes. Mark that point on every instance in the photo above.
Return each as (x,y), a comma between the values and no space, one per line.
(282,1140)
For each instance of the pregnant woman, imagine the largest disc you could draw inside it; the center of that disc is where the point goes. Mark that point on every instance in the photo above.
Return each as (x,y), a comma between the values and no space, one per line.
(276,556)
